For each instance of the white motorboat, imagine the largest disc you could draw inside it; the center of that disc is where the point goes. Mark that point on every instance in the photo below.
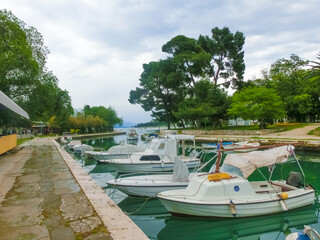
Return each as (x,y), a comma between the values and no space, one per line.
(121,151)
(79,149)
(230,194)
(149,185)
(158,157)
(66,137)
(73,143)
(132,135)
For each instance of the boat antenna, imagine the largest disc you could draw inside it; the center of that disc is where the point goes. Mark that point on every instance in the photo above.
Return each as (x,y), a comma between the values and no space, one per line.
(218,157)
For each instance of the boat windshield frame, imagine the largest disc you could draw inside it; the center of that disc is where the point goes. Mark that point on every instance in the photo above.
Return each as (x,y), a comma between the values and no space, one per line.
(231,169)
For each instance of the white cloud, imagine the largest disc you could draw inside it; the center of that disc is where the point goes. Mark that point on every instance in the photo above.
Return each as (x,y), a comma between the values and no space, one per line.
(98,47)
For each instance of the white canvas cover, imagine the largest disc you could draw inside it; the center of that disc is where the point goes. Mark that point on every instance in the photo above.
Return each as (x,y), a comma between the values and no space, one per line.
(248,162)
(180,171)
(125,149)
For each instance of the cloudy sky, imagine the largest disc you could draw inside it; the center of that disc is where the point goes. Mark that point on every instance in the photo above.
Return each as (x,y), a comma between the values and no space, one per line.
(97,47)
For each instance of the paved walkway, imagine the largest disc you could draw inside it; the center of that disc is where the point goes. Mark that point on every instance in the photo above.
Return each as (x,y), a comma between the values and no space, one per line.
(41,199)
(44,201)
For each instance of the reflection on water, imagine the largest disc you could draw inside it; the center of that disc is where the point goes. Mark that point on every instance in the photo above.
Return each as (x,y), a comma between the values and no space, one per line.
(150,215)
(277,226)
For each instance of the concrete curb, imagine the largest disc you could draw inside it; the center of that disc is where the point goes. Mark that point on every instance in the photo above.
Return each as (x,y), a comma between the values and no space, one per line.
(118,224)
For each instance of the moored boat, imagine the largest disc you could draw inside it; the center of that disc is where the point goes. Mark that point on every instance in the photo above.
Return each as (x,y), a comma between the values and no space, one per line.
(230,194)
(81,148)
(66,137)
(121,151)
(149,185)
(132,135)
(158,157)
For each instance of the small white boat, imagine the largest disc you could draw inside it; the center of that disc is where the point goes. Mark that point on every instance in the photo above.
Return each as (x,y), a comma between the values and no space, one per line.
(132,135)
(230,194)
(232,147)
(214,146)
(148,137)
(66,137)
(158,157)
(79,149)
(241,147)
(149,185)
(72,144)
(121,151)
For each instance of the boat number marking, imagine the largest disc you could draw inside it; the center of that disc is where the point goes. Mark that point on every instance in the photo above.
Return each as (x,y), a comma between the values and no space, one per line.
(236,188)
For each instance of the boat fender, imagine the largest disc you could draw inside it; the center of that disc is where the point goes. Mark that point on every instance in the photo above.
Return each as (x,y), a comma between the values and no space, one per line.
(283,205)
(162,164)
(283,195)
(233,208)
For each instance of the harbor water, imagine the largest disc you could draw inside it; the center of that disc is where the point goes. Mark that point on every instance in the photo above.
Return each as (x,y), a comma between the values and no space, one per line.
(157,223)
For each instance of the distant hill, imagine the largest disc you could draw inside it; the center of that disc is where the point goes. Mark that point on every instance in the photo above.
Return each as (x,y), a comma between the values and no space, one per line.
(148,124)
(126,125)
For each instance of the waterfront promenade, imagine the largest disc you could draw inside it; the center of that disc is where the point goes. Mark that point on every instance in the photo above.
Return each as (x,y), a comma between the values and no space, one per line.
(45,194)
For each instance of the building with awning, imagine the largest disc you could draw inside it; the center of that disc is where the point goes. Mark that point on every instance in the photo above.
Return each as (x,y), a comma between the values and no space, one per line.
(8,142)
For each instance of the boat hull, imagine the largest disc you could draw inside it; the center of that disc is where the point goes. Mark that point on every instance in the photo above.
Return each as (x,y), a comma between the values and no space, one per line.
(147,186)
(241,209)
(149,167)
(148,191)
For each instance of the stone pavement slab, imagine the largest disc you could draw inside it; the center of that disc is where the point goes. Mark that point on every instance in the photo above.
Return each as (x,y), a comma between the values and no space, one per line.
(118,224)
(40,199)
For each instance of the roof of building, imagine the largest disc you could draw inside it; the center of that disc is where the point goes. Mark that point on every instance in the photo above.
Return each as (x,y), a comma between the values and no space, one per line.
(7,103)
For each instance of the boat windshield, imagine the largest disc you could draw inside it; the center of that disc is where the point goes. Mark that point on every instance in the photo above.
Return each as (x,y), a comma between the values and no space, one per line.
(231,169)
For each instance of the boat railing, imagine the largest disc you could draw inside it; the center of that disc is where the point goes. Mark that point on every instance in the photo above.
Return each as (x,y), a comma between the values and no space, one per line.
(142,174)
(98,149)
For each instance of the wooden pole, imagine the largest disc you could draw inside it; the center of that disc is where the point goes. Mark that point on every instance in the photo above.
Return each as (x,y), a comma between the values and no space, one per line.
(218,158)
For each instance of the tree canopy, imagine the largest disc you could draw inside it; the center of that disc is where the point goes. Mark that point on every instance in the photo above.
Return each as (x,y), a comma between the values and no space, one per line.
(169,88)
(227,56)
(24,76)
(161,89)
(257,103)
(108,115)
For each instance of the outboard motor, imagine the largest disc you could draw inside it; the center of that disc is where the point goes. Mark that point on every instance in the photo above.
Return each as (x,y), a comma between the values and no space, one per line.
(294,179)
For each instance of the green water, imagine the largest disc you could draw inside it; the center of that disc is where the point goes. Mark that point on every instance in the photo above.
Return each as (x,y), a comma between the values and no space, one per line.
(157,223)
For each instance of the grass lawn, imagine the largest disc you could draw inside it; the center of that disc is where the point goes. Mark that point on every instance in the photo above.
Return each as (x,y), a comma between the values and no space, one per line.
(278,126)
(20,141)
(315,132)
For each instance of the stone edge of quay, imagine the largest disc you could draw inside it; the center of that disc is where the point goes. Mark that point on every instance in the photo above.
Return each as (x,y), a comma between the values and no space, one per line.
(116,221)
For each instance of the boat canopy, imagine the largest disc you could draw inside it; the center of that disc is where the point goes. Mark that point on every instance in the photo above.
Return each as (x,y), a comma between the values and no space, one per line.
(249,162)
(125,148)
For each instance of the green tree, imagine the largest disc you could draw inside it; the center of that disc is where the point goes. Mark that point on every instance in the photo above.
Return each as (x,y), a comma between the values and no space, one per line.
(22,56)
(23,74)
(161,89)
(313,88)
(288,77)
(208,107)
(257,103)
(87,123)
(227,56)
(189,56)
(109,115)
